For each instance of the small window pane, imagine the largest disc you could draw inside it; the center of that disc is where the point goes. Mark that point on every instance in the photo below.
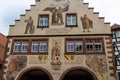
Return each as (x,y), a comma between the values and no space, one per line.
(117,59)
(17,46)
(43,22)
(71,20)
(98,46)
(70,46)
(117,33)
(89,46)
(24,46)
(35,46)
(43,46)
(78,46)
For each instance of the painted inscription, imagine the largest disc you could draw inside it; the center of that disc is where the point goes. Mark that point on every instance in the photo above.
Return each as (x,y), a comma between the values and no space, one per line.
(56,31)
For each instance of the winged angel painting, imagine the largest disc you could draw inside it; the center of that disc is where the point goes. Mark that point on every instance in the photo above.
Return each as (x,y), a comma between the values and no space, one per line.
(56,11)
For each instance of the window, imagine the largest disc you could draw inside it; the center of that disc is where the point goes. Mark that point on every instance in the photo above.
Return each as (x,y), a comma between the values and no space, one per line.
(17,46)
(38,46)
(24,47)
(35,45)
(20,46)
(94,46)
(89,46)
(70,46)
(117,33)
(84,46)
(43,46)
(78,46)
(113,34)
(98,45)
(43,21)
(74,46)
(117,59)
(71,20)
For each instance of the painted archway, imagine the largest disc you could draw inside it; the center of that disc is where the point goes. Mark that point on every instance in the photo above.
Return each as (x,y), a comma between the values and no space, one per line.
(78,73)
(35,73)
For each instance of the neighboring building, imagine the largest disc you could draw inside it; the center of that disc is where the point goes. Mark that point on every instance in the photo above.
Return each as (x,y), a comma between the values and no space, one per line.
(60,40)
(3,41)
(116,43)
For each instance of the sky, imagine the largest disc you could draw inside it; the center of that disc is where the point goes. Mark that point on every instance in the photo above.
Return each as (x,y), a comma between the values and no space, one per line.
(11,11)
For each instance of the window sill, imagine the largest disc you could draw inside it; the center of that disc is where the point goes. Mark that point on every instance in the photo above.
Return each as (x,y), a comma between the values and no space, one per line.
(71,26)
(43,27)
(32,53)
(84,53)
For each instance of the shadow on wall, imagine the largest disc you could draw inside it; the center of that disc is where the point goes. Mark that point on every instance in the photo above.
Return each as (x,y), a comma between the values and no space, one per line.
(0,71)
(0,66)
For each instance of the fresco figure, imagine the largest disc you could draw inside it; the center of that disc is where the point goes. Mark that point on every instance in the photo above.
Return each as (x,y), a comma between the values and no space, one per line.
(56,51)
(29,26)
(54,14)
(15,65)
(57,17)
(59,14)
(98,64)
(86,23)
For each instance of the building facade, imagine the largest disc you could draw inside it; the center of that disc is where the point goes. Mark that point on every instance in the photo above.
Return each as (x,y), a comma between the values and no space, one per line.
(116,44)
(60,40)
(3,41)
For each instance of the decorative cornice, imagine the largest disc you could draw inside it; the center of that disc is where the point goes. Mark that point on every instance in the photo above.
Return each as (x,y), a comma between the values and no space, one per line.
(9,36)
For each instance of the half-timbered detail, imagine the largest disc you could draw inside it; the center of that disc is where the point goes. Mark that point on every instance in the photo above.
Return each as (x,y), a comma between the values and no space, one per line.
(116,46)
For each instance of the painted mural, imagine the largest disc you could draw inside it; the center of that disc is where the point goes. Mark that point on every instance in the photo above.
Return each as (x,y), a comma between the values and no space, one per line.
(57,10)
(15,65)
(56,52)
(98,64)
(86,23)
(30,28)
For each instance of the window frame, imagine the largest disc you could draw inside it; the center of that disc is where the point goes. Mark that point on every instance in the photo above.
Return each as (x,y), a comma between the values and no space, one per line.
(20,51)
(93,40)
(74,51)
(33,51)
(17,46)
(117,62)
(89,44)
(39,40)
(39,17)
(71,14)
(84,47)
(41,45)
(24,45)
(29,50)
(117,33)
